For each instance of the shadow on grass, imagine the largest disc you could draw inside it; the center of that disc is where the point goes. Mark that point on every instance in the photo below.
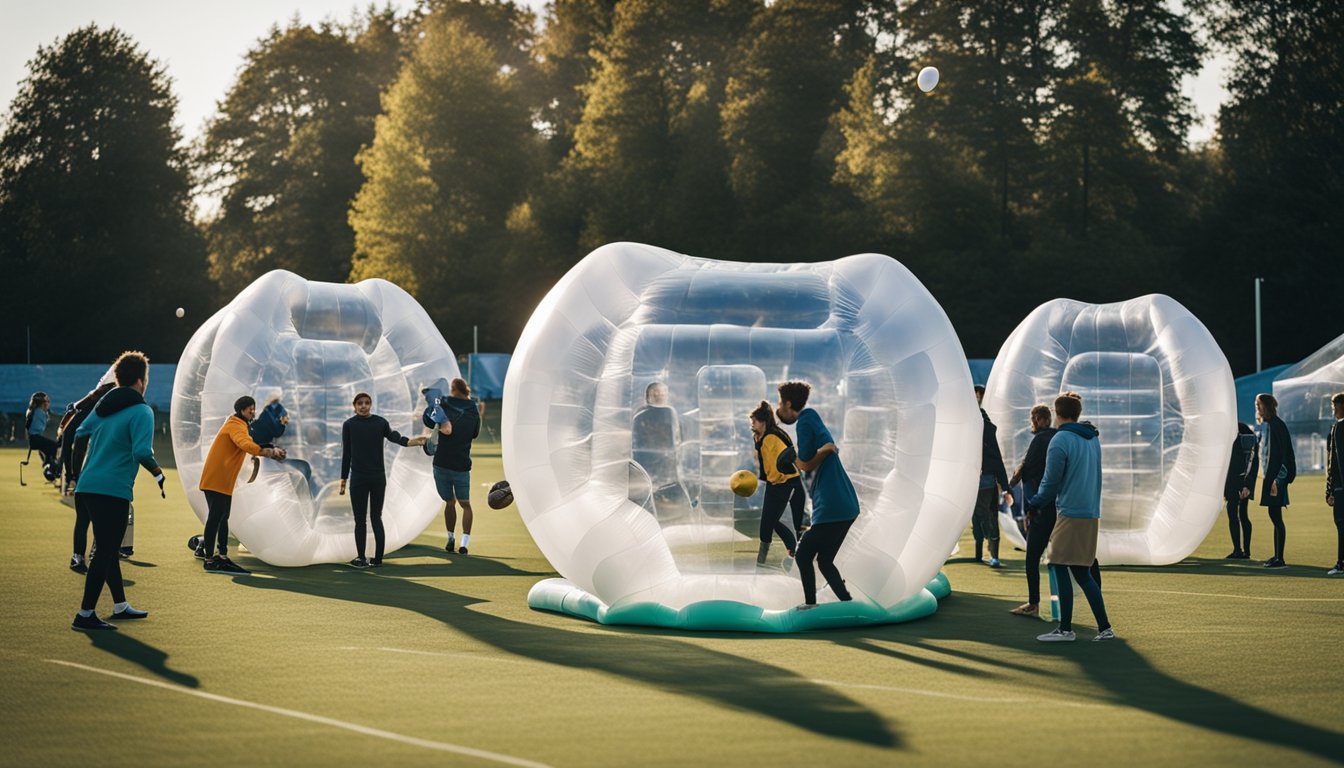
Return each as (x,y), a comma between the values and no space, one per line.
(1206,566)
(1125,676)
(660,662)
(138,652)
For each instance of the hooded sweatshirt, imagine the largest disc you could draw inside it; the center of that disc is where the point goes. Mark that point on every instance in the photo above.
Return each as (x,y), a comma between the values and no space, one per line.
(121,436)
(231,447)
(1072,472)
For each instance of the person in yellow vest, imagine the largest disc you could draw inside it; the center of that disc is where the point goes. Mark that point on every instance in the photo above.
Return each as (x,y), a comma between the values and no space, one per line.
(230,449)
(775,456)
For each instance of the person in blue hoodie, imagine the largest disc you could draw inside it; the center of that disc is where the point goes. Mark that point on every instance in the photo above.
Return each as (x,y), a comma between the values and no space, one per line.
(1073,482)
(121,438)
(835,505)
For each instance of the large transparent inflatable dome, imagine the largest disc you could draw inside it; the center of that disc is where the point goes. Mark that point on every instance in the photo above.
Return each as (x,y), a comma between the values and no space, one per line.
(624,485)
(314,346)
(1157,386)
(1304,393)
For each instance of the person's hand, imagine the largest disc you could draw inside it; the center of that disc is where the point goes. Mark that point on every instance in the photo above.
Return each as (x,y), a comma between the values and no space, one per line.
(1244,492)
(1329,500)
(342,487)
(1008,498)
(160,478)
(414,441)
(1273,487)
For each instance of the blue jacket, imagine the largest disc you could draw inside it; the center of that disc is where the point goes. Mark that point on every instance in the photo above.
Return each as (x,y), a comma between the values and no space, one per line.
(121,436)
(1072,473)
(833,496)
(37,423)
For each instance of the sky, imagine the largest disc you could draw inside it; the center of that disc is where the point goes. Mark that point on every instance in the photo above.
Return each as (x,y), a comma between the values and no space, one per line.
(203,44)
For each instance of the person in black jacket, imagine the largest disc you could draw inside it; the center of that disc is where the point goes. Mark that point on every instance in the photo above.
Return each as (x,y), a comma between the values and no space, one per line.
(1280,466)
(1334,478)
(1040,523)
(452,459)
(362,437)
(73,450)
(1239,489)
(993,481)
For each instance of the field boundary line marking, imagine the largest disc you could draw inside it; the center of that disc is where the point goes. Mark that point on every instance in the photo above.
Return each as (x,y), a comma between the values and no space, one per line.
(342,724)
(1234,597)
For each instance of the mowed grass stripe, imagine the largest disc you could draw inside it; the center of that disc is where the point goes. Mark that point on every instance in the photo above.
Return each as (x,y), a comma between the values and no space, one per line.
(321,719)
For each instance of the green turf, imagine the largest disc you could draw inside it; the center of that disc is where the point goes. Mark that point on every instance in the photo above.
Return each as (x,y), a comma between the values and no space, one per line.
(1220,663)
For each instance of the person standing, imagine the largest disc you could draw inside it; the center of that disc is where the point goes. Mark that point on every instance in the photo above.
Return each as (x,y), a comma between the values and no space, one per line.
(232,445)
(1334,478)
(1280,466)
(835,505)
(776,458)
(1040,523)
(35,424)
(452,459)
(362,437)
(993,484)
(121,438)
(1238,490)
(1073,482)
(73,452)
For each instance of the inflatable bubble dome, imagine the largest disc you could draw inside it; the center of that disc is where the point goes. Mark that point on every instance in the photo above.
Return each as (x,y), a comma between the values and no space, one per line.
(1157,386)
(626,412)
(1304,393)
(314,346)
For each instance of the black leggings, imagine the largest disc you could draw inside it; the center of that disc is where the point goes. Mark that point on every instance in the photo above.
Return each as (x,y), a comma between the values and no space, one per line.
(1089,580)
(1339,527)
(81,542)
(777,498)
(367,500)
(45,446)
(109,515)
(822,542)
(217,522)
(1038,538)
(1239,523)
(1280,532)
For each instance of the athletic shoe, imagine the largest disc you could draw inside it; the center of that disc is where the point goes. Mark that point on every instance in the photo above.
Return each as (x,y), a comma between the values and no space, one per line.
(994,563)
(807,606)
(451,546)
(228,566)
(1058,636)
(1236,555)
(359,562)
(90,623)
(1105,634)
(78,565)
(376,562)
(126,552)
(1027,609)
(461,550)
(212,566)
(200,553)
(128,613)
(1275,562)
(1338,570)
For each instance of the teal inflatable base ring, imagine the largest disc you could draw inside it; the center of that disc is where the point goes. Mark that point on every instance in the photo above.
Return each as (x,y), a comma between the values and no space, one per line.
(562,596)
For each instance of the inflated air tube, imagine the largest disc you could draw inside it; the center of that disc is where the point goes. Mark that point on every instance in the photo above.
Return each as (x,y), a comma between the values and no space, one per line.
(661,540)
(1157,386)
(314,345)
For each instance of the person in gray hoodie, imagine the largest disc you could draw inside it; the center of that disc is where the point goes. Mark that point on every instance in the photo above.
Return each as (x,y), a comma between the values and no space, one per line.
(121,439)
(1073,482)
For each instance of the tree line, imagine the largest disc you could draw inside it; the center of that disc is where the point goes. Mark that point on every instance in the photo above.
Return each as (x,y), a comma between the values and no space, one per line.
(472,153)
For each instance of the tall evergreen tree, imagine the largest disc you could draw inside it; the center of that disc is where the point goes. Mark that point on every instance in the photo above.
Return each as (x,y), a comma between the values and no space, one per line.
(94,200)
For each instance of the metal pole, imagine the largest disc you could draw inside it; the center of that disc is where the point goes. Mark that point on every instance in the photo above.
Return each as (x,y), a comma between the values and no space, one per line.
(1258,281)
(28,331)
(475,350)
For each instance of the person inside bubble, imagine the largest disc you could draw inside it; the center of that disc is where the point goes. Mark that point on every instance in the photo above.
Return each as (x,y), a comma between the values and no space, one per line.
(655,437)
(835,504)
(362,437)
(776,458)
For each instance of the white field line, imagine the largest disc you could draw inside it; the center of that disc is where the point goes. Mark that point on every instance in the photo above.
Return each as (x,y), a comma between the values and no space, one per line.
(355,727)
(961,697)
(1233,597)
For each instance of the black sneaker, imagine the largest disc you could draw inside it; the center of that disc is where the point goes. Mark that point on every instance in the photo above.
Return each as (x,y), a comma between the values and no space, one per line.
(78,565)
(128,613)
(451,546)
(200,553)
(212,566)
(90,623)
(228,566)
(376,562)
(359,562)
(126,552)
(1275,562)
(461,550)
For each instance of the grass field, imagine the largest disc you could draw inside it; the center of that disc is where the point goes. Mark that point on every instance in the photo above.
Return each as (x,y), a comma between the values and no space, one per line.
(437,660)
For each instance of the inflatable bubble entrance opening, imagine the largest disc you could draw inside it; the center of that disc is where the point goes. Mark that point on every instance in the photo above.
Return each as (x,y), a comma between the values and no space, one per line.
(626,412)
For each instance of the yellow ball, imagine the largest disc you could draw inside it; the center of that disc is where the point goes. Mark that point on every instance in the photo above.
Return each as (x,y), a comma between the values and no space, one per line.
(743,482)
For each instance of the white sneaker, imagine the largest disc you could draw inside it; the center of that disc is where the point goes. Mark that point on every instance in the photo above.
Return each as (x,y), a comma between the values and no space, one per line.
(1058,636)
(1105,634)
(1338,570)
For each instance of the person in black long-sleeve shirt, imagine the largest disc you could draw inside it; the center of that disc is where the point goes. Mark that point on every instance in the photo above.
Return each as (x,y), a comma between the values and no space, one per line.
(362,438)
(1239,489)
(993,481)
(1040,523)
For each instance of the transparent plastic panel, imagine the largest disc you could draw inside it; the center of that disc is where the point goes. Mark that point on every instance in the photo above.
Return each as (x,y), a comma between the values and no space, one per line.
(888,377)
(1304,393)
(1160,392)
(313,346)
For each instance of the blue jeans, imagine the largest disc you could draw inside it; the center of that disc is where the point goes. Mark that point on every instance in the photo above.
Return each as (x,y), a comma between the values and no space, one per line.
(452,484)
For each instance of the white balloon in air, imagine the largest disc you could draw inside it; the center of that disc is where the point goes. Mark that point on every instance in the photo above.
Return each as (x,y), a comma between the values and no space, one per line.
(928,78)
(181,312)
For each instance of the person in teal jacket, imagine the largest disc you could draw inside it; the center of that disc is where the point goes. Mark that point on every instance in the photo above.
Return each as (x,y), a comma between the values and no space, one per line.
(121,439)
